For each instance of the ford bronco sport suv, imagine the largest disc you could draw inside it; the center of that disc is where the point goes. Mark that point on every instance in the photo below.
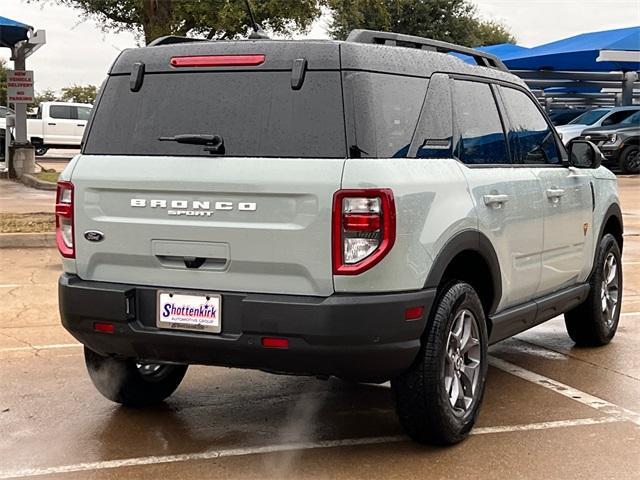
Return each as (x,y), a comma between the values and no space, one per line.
(373,209)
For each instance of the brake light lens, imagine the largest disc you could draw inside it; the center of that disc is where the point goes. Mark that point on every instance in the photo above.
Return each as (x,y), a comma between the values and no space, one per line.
(64,219)
(364,229)
(218,61)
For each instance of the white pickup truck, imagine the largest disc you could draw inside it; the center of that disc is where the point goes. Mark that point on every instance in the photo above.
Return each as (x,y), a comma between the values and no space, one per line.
(58,125)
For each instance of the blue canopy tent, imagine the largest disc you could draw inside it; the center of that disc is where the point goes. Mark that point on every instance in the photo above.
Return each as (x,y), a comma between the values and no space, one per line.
(504,50)
(12,32)
(582,53)
(578,68)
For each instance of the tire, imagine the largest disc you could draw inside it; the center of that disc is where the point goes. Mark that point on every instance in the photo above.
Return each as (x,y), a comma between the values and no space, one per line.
(422,394)
(595,321)
(40,150)
(131,383)
(630,159)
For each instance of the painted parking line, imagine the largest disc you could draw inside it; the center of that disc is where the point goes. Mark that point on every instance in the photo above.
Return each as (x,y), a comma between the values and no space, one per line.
(56,346)
(238,452)
(599,404)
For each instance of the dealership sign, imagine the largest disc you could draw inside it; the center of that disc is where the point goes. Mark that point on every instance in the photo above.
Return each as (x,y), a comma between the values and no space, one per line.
(20,86)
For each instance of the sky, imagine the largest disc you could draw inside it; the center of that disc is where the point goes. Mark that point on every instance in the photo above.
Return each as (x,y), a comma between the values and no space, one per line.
(79,52)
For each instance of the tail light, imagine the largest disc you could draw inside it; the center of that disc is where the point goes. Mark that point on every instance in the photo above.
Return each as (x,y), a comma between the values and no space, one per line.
(364,229)
(64,219)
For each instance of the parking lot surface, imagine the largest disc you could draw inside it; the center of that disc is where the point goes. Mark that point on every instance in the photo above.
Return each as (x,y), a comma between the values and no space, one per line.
(551,410)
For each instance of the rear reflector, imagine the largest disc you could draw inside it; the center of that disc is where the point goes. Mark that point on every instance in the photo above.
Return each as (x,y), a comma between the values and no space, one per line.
(414,313)
(270,342)
(104,327)
(218,61)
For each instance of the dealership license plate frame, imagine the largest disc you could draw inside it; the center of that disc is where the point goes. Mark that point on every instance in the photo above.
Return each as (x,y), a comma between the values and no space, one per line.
(188,326)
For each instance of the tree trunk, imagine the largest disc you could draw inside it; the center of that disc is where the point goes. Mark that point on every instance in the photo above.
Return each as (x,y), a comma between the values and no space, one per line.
(156,19)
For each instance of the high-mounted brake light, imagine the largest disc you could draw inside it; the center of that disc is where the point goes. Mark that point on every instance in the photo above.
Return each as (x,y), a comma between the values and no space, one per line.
(364,229)
(218,61)
(64,219)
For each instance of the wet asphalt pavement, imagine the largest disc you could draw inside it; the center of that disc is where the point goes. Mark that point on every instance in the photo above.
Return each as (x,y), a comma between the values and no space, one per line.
(550,411)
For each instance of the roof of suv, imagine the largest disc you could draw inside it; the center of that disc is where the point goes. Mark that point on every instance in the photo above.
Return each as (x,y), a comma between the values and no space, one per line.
(320,55)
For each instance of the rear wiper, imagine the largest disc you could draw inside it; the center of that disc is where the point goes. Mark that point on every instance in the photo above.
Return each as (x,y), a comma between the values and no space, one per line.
(213,143)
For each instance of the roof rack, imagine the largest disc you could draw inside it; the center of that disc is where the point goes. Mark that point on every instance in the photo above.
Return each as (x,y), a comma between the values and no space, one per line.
(171,39)
(397,39)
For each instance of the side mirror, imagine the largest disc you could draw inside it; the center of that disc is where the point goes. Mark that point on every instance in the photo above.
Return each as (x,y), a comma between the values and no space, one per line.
(584,154)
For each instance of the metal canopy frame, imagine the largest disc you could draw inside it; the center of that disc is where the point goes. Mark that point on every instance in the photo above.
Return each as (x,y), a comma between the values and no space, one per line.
(616,88)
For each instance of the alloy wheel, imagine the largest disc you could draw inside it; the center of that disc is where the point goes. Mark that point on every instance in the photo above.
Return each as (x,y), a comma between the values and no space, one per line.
(609,293)
(462,362)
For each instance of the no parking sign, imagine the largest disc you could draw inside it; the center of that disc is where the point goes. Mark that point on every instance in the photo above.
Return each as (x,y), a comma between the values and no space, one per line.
(20,86)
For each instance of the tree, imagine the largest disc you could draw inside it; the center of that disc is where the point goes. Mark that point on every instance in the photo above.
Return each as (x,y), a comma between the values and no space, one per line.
(150,19)
(45,96)
(455,21)
(79,94)
(3,81)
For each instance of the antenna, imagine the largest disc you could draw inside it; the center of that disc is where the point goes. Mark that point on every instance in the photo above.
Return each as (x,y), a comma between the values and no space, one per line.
(258,33)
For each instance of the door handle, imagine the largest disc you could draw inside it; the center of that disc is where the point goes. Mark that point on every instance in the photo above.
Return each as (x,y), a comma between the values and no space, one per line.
(79,124)
(53,124)
(495,201)
(555,194)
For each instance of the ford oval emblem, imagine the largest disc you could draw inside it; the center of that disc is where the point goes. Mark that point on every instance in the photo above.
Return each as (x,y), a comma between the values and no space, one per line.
(94,235)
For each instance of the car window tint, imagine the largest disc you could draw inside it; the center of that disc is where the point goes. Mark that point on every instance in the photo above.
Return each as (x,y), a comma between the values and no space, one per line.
(385,112)
(63,112)
(83,113)
(590,117)
(482,138)
(257,114)
(617,117)
(530,135)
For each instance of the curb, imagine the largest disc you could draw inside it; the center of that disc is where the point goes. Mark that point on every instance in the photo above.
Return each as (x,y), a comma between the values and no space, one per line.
(31,181)
(27,240)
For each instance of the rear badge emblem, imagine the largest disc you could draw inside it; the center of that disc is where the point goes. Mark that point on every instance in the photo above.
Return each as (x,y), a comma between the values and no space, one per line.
(94,236)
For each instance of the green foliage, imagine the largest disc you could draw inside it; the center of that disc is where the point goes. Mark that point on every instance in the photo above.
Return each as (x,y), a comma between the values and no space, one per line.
(79,94)
(45,96)
(453,21)
(150,19)
(3,81)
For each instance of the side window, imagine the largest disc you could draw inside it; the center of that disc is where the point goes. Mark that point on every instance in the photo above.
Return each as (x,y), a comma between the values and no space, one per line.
(530,135)
(617,117)
(62,112)
(385,111)
(83,113)
(482,139)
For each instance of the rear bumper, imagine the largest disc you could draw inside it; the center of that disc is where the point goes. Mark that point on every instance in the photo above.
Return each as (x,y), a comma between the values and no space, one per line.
(362,337)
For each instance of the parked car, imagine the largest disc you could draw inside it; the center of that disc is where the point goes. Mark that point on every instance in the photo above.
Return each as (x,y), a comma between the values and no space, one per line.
(598,117)
(562,116)
(620,143)
(4,111)
(58,125)
(329,208)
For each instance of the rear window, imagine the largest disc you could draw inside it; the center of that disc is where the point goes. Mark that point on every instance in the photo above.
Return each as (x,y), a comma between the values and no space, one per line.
(257,114)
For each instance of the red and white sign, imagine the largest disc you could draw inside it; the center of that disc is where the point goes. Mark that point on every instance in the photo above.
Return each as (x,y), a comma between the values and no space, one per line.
(20,86)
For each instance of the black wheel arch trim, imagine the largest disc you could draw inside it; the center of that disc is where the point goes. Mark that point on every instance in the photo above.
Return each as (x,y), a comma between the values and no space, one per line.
(613,211)
(468,240)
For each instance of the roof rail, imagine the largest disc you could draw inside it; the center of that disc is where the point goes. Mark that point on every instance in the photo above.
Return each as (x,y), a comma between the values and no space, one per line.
(171,39)
(397,39)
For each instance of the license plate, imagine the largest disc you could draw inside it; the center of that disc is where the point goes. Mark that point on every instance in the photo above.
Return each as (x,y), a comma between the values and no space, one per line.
(181,311)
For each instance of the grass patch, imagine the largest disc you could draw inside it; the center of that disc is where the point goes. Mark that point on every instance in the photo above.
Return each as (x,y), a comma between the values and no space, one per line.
(47,176)
(27,222)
